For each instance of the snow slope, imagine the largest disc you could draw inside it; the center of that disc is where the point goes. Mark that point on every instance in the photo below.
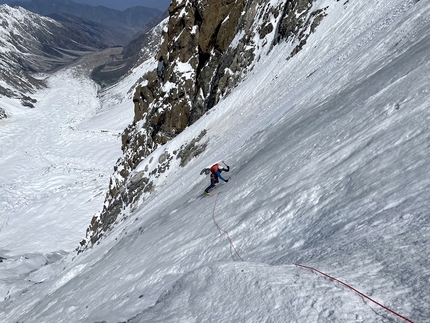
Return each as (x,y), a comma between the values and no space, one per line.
(329,166)
(55,160)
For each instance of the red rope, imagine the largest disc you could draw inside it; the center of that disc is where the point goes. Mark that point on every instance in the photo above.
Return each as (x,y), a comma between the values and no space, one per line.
(224,231)
(352,288)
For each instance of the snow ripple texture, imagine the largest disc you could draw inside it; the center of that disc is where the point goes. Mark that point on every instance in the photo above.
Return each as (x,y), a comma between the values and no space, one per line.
(330,168)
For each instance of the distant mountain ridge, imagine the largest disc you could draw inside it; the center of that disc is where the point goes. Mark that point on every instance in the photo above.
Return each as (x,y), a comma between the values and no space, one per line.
(129,21)
(31,43)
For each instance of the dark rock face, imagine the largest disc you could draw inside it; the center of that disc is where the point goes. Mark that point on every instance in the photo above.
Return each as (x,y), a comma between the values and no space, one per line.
(201,66)
(295,26)
(207,49)
(194,48)
(2,114)
(191,150)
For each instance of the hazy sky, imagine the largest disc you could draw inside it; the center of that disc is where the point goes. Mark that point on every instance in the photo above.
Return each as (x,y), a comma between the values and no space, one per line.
(124,4)
(118,4)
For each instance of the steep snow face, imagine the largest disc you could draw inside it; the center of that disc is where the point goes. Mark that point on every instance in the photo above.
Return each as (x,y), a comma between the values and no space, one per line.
(329,168)
(207,48)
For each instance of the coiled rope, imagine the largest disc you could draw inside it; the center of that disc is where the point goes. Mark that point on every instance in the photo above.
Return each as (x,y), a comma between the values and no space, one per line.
(224,231)
(355,290)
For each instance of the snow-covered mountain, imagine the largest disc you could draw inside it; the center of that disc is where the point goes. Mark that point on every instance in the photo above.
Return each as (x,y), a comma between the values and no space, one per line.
(129,21)
(327,136)
(30,43)
(19,39)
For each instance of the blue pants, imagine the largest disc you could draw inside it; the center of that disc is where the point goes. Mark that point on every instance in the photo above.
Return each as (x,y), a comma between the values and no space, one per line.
(214,180)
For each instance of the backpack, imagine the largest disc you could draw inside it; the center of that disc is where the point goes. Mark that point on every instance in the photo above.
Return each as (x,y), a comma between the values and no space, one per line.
(214,168)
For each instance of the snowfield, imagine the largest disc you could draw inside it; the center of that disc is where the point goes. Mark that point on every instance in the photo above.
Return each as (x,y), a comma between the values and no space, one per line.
(329,156)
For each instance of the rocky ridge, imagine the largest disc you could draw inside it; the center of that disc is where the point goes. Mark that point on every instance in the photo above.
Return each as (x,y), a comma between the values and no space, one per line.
(208,47)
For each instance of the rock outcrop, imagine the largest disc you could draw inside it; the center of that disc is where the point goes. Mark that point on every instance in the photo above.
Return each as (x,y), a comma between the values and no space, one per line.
(3,114)
(207,47)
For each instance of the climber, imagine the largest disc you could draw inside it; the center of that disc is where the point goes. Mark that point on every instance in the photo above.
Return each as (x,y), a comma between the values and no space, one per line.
(215,174)
(160,69)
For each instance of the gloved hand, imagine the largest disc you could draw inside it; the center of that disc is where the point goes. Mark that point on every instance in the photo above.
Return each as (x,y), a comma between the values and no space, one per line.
(226,180)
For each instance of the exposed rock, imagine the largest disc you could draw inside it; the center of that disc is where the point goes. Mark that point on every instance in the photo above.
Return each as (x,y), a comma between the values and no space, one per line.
(3,114)
(196,29)
(298,21)
(202,67)
(192,149)
(6,92)
(28,102)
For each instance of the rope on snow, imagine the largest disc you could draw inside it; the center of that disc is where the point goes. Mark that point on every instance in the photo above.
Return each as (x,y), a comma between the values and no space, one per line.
(224,231)
(306,267)
(355,290)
